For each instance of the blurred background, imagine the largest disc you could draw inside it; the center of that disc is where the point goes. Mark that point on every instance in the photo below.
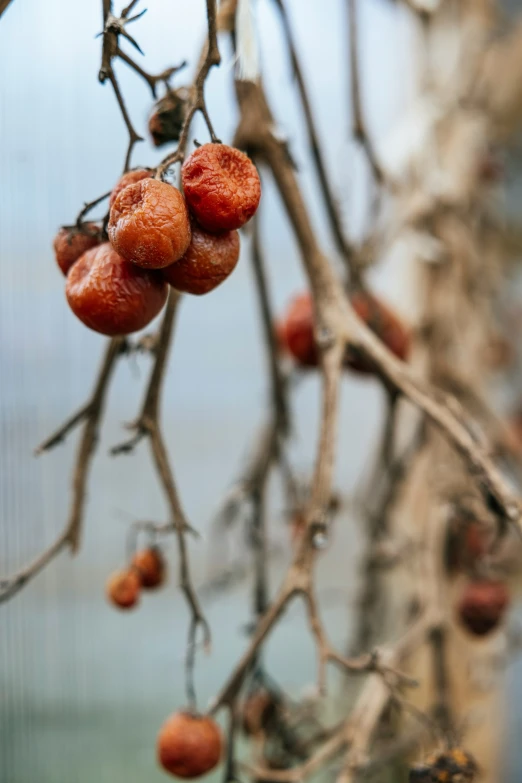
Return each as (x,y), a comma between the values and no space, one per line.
(84,689)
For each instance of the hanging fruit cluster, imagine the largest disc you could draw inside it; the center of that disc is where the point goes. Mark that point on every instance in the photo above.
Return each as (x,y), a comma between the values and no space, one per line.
(147,571)
(159,236)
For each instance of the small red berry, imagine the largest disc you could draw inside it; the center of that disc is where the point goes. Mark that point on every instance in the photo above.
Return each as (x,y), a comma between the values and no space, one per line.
(123,589)
(111,296)
(482,606)
(296,332)
(129,178)
(222,187)
(149,224)
(209,260)
(189,745)
(71,243)
(150,566)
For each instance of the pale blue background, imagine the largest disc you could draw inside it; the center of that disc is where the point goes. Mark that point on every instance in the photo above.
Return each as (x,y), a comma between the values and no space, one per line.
(83,689)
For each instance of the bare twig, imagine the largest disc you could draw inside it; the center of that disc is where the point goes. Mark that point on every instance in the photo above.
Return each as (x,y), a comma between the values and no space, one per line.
(89,206)
(337,321)
(277,378)
(148,426)
(113,27)
(359,126)
(3,5)
(330,201)
(91,415)
(354,733)
(197,103)
(151,79)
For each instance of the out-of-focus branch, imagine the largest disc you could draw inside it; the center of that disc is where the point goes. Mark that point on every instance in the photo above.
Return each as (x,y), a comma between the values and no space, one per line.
(359,126)
(338,324)
(278,381)
(356,732)
(90,415)
(330,201)
(3,5)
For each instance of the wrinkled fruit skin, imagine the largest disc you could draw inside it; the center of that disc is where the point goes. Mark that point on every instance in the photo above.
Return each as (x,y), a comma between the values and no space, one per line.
(149,224)
(150,567)
(123,589)
(130,178)
(296,332)
(221,186)
(167,119)
(69,244)
(482,606)
(111,296)
(189,746)
(384,324)
(209,260)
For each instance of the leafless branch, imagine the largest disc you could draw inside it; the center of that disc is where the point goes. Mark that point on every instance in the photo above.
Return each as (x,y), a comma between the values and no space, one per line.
(337,321)
(148,426)
(359,126)
(330,201)
(151,79)
(197,103)
(91,416)
(3,5)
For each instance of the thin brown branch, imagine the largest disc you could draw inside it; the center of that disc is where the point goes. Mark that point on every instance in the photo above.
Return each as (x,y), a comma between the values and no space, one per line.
(134,137)
(91,416)
(356,732)
(3,5)
(277,379)
(330,200)
(148,426)
(359,126)
(197,103)
(151,79)
(337,321)
(89,206)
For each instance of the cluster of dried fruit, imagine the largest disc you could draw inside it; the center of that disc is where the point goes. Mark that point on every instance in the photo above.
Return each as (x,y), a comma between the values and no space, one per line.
(159,236)
(296,331)
(147,571)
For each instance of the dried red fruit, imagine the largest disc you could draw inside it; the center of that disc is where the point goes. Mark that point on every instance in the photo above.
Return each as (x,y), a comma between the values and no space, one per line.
(150,567)
(222,187)
(123,588)
(189,745)
(209,260)
(384,324)
(149,224)
(167,119)
(70,243)
(296,331)
(482,606)
(129,178)
(112,296)
(258,710)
